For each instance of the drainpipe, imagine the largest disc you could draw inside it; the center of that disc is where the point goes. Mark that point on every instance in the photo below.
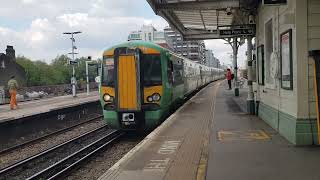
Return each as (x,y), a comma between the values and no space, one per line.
(250,99)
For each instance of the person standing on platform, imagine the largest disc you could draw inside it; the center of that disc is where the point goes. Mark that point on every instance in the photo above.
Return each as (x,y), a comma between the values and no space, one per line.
(229,77)
(13,87)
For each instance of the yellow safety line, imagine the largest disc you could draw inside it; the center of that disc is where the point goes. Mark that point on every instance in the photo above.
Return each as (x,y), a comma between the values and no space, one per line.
(317,101)
(203,162)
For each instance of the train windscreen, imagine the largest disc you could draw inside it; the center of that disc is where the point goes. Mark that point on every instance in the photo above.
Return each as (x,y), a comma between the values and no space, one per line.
(108,72)
(151,70)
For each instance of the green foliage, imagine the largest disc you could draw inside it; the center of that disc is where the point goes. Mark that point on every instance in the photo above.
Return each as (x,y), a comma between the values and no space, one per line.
(57,72)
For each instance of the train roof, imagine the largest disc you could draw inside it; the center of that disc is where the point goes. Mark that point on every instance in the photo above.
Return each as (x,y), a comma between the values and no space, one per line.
(155,47)
(137,44)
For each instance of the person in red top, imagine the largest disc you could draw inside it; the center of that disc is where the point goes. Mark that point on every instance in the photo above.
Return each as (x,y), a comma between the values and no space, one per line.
(229,77)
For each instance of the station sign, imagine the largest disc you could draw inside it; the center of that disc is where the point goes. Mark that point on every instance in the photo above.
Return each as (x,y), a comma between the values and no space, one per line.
(237,32)
(274,2)
(73,62)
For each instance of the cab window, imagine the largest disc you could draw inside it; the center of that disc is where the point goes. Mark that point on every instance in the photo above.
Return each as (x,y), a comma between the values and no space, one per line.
(108,73)
(151,70)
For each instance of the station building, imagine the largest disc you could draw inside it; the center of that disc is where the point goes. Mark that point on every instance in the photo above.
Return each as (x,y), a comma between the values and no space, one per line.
(282,76)
(286,36)
(9,67)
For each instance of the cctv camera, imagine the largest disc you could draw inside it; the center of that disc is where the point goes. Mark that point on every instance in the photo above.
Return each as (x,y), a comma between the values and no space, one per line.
(228,10)
(251,19)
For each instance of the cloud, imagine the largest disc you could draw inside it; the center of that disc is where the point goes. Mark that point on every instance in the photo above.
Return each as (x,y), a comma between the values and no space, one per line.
(103,23)
(73,19)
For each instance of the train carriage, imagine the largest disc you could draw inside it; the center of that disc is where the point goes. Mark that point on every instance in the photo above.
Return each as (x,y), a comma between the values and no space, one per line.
(141,82)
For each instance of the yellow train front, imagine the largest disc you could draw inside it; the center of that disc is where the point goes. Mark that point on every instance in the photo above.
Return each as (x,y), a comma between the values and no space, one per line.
(141,82)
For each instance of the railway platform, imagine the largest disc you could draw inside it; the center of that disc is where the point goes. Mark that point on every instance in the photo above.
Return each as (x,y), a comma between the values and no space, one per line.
(211,137)
(32,108)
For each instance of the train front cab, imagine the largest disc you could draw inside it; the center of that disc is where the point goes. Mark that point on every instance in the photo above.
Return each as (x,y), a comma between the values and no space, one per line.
(132,88)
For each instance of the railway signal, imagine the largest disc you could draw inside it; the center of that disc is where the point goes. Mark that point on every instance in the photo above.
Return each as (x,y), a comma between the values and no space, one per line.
(72,62)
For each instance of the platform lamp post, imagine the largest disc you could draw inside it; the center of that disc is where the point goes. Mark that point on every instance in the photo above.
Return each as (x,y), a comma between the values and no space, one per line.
(73,47)
(235,43)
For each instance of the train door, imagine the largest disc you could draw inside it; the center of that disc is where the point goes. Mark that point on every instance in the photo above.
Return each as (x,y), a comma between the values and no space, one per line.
(128,79)
(316,57)
(170,78)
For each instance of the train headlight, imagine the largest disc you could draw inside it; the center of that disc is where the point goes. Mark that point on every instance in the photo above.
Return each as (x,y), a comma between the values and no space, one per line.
(156,97)
(149,99)
(107,98)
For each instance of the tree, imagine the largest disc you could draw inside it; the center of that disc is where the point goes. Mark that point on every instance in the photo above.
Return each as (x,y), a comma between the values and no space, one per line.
(59,71)
(63,71)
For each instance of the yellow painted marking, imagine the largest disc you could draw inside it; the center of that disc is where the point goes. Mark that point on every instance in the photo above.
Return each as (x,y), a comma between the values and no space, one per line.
(250,135)
(317,100)
(147,50)
(108,52)
(203,163)
(107,90)
(148,91)
(202,168)
(127,83)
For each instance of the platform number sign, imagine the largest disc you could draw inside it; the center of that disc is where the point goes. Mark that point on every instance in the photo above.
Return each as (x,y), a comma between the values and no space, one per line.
(274,2)
(286,60)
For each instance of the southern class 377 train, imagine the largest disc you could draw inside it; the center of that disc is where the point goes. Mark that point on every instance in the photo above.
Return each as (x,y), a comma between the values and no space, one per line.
(141,82)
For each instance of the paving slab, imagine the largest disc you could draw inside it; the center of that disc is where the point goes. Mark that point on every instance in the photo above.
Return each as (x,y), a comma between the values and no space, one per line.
(244,147)
(176,149)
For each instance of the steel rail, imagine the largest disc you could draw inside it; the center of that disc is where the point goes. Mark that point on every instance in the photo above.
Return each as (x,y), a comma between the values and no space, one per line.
(46,136)
(64,166)
(29,159)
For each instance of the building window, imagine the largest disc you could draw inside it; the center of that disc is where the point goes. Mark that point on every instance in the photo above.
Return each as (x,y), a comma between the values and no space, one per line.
(260,64)
(269,79)
(150,37)
(286,60)
(3,66)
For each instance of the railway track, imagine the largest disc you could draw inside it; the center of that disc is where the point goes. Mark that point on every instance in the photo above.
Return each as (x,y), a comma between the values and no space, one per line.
(32,141)
(61,159)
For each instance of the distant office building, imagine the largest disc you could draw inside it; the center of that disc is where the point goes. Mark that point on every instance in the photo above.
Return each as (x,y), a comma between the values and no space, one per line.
(194,50)
(149,33)
(9,67)
(211,60)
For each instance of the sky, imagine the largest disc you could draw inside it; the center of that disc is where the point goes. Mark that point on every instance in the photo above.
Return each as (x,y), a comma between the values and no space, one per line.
(35,27)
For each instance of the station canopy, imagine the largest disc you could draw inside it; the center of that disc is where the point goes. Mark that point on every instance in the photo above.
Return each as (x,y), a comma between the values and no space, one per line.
(207,19)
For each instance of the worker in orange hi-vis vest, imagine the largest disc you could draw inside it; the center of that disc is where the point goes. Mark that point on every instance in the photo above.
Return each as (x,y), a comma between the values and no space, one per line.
(13,87)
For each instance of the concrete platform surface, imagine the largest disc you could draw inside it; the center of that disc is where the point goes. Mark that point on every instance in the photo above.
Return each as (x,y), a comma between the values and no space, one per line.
(244,147)
(31,108)
(211,137)
(175,149)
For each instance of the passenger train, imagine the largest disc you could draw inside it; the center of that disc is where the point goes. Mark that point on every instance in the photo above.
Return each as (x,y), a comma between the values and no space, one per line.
(141,82)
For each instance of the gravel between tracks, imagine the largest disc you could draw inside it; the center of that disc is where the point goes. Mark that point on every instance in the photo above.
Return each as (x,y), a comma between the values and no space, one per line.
(50,158)
(27,151)
(98,165)
(12,141)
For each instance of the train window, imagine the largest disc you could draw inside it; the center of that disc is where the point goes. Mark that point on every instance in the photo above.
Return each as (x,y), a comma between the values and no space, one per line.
(170,72)
(151,70)
(269,46)
(108,72)
(178,74)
